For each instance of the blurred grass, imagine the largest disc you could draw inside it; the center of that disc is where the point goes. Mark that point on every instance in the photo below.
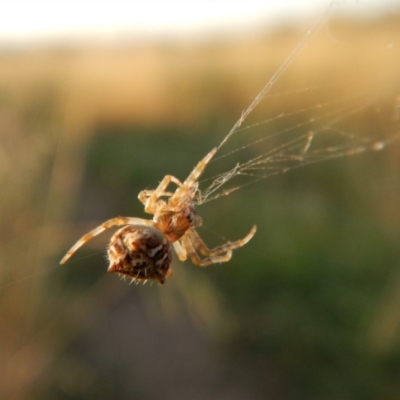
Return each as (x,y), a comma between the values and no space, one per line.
(307,310)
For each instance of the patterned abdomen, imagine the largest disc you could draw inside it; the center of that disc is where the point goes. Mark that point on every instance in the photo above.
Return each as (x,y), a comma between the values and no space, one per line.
(140,252)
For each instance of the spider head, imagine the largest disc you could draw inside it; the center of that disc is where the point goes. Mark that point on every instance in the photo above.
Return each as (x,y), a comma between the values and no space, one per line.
(194,219)
(140,252)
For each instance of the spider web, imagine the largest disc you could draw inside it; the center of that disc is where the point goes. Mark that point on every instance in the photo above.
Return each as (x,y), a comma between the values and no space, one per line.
(337,119)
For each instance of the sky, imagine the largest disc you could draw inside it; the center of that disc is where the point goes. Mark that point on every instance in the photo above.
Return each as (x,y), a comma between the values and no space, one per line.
(38,20)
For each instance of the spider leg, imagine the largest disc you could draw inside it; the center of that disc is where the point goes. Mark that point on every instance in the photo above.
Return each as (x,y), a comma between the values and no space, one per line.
(199,168)
(192,242)
(205,262)
(101,228)
(180,250)
(206,251)
(144,195)
(190,182)
(149,197)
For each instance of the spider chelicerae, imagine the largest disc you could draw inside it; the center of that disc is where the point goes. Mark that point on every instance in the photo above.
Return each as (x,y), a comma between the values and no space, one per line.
(142,250)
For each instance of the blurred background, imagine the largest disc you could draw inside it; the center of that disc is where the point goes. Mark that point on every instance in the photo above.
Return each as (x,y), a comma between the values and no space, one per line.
(101,100)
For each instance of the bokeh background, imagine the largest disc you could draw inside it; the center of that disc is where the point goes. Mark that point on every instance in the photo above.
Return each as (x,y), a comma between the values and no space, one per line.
(309,309)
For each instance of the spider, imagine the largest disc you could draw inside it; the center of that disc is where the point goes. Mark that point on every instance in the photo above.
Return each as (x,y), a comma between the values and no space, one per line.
(142,249)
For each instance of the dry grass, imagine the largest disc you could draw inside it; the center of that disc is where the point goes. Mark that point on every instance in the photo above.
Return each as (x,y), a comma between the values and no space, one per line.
(182,82)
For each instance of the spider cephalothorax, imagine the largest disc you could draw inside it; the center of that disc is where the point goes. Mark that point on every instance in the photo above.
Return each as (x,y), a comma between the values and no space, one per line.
(142,249)
(175,221)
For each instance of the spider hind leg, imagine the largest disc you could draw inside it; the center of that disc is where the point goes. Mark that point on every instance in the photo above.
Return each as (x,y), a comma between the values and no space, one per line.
(193,243)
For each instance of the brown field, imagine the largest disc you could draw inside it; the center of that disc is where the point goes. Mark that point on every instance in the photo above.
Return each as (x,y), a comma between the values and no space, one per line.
(173,83)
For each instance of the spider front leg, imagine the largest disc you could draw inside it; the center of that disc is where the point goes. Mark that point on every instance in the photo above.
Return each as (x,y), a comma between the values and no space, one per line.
(149,198)
(192,242)
(199,168)
(144,195)
(118,221)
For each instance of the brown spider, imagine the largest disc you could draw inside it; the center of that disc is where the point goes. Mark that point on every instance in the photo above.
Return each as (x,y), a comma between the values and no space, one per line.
(141,250)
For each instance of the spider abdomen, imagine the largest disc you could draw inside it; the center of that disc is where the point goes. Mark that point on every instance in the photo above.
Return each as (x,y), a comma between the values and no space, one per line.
(140,252)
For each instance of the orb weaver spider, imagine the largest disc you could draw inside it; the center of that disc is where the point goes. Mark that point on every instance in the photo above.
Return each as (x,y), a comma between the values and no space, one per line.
(141,250)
